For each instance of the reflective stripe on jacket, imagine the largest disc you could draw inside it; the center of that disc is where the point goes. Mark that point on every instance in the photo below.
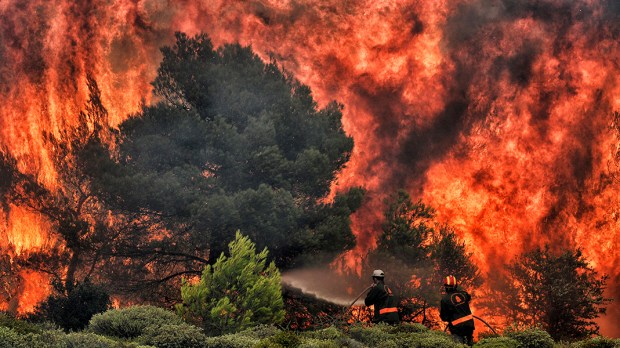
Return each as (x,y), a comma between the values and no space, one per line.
(462,320)
(388,310)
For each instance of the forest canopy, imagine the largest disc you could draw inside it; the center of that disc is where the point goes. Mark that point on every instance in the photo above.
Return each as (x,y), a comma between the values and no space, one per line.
(234,144)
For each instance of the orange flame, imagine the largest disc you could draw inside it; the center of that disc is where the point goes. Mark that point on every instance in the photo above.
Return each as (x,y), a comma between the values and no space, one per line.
(36,288)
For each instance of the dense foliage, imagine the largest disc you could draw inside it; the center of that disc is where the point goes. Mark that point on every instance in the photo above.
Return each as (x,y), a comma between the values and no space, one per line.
(559,291)
(234,144)
(237,292)
(132,322)
(157,333)
(72,309)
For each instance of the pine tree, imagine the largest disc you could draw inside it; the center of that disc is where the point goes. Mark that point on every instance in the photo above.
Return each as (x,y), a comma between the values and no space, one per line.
(237,292)
(560,292)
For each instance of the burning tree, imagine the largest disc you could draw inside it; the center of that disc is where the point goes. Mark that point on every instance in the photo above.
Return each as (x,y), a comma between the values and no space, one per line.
(560,292)
(79,220)
(235,144)
(416,252)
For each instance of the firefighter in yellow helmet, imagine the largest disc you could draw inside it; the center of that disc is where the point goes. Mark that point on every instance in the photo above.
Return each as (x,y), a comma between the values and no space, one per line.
(455,310)
(383,299)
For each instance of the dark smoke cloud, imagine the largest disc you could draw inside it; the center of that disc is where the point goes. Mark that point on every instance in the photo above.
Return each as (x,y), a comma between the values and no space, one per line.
(520,64)
(23,42)
(425,145)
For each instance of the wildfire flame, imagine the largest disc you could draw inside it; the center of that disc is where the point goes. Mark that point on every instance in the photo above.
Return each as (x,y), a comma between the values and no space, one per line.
(494,112)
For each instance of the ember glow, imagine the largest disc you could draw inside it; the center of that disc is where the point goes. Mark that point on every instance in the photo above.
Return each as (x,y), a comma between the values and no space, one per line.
(495,112)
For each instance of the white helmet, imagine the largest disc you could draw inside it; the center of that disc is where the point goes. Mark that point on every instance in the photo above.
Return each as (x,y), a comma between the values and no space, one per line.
(378,273)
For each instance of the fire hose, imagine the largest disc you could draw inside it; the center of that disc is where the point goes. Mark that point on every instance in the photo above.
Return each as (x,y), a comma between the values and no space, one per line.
(357,298)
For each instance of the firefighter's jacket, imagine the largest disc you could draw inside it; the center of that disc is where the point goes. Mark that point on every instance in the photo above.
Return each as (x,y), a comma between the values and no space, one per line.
(455,310)
(385,304)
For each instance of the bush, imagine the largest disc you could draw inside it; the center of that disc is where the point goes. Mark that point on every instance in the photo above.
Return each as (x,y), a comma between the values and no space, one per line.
(86,340)
(74,310)
(532,338)
(488,334)
(317,343)
(255,298)
(597,342)
(231,341)
(349,342)
(174,336)
(330,333)
(52,338)
(22,327)
(374,336)
(268,344)
(260,331)
(412,327)
(132,322)
(497,342)
(428,339)
(11,339)
(283,339)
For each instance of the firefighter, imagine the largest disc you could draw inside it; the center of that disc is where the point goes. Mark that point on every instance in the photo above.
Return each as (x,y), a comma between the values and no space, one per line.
(384,301)
(455,310)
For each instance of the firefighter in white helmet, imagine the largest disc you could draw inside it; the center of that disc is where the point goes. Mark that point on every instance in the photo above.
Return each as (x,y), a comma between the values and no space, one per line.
(382,298)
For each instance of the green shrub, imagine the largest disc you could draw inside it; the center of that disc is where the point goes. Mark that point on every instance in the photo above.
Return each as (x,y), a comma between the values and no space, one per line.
(374,336)
(317,343)
(22,327)
(260,331)
(428,339)
(267,344)
(436,341)
(532,338)
(239,291)
(132,322)
(86,340)
(497,342)
(52,338)
(597,342)
(174,336)
(283,339)
(11,339)
(329,333)
(286,339)
(349,342)
(231,341)
(411,327)
(132,345)
(72,311)
(487,334)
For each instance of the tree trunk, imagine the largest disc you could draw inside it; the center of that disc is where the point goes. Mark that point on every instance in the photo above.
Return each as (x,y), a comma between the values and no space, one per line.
(71,270)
